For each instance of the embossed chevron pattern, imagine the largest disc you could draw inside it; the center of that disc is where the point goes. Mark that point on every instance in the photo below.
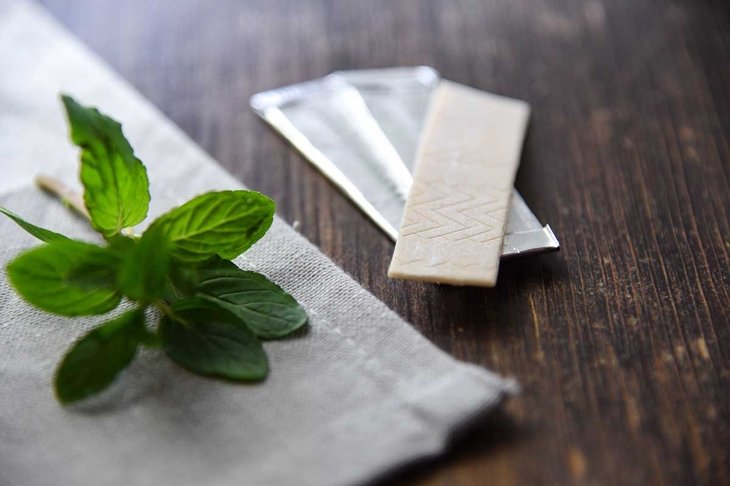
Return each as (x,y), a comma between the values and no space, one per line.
(444,210)
(455,215)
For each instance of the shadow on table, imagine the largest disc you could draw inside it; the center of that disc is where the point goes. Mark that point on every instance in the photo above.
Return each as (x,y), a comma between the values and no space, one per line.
(483,435)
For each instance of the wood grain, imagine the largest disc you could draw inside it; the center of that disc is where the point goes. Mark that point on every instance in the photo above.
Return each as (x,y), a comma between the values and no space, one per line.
(621,341)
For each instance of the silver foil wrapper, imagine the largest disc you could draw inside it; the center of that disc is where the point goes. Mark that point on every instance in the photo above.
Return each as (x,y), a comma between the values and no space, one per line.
(361,128)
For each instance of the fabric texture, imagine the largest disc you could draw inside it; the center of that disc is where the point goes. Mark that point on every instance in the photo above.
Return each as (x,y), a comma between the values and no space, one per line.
(356,395)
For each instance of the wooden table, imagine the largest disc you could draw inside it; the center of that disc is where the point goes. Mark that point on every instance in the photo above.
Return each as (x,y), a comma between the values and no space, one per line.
(622,340)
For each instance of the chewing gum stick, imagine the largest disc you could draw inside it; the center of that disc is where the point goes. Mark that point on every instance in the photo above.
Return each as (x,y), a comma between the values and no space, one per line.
(455,215)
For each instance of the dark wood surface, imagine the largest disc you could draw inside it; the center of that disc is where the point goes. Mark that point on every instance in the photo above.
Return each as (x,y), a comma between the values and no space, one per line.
(622,340)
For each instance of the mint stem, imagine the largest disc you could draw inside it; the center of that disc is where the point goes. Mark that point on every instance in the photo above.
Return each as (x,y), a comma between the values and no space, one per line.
(68,197)
(65,194)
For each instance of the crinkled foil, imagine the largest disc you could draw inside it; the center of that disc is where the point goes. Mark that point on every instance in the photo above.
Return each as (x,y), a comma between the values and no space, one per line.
(361,128)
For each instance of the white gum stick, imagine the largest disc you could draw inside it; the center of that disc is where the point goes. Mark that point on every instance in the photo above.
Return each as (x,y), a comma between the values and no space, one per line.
(455,215)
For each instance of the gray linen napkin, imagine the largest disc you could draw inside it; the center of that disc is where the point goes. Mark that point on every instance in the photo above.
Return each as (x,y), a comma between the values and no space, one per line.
(360,393)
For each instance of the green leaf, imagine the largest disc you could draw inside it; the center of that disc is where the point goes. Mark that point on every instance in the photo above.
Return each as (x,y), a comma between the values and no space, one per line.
(70,278)
(120,244)
(268,310)
(115,181)
(181,282)
(40,233)
(222,223)
(95,360)
(144,268)
(209,340)
(265,307)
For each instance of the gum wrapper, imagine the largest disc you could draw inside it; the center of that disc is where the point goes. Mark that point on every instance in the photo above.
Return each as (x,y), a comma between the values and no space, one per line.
(361,128)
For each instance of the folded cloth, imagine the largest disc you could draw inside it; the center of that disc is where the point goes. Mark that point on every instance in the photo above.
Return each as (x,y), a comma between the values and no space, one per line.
(357,395)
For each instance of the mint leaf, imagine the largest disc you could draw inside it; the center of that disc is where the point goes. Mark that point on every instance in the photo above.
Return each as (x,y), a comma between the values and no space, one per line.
(208,340)
(268,310)
(265,307)
(115,181)
(40,233)
(144,268)
(181,282)
(70,278)
(222,223)
(95,360)
(119,245)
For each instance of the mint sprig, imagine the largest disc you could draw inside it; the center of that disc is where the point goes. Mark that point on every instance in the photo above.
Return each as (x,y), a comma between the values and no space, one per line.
(213,314)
